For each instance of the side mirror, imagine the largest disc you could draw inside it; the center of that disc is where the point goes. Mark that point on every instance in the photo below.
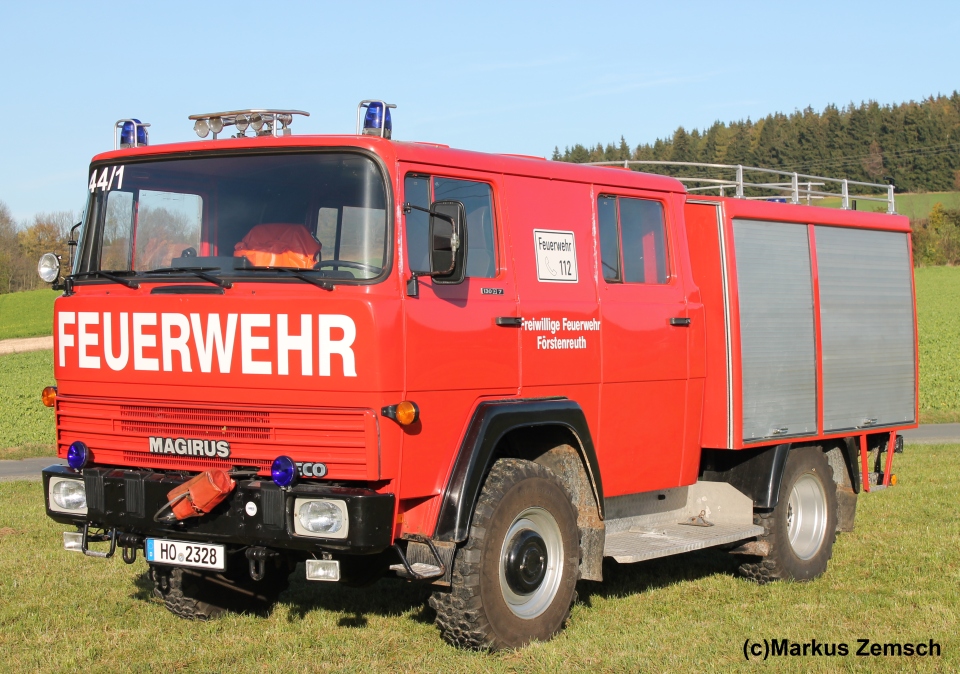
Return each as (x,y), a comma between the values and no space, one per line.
(448,242)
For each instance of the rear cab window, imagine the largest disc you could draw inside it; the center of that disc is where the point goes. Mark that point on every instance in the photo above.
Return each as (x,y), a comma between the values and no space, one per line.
(633,242)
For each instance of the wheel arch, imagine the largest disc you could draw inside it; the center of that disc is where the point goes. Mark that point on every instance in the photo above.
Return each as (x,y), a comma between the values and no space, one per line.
(517,429)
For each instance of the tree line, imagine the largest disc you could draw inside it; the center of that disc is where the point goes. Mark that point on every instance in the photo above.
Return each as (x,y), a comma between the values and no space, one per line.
(22,244)
(915,145)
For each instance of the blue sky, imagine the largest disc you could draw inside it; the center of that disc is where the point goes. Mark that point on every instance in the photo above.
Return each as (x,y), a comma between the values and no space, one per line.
(517,77)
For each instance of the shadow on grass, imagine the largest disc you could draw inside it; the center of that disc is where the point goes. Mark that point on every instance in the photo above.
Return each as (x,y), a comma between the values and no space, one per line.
(397,598)
(622,580)
(387,597)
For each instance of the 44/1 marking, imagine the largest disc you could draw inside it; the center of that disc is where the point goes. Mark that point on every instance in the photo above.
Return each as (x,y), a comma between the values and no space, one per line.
(107,176)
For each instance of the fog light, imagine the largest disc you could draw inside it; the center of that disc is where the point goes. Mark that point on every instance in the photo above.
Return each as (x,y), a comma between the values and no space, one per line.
(70,495)
(323,569)
(49,396)
(283,471)
(79,455)
(73,541)
(320,517)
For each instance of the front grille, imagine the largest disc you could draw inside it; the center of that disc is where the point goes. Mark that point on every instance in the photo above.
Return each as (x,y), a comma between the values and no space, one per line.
(119,431)
(195,423)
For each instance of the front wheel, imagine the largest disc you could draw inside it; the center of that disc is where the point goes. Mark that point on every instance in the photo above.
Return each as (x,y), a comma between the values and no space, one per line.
(801,530)
(515,578)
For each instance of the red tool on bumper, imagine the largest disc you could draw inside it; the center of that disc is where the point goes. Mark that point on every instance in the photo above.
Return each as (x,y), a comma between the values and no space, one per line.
(200,494)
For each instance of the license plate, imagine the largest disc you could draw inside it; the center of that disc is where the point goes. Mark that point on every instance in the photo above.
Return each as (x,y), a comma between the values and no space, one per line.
(185,553)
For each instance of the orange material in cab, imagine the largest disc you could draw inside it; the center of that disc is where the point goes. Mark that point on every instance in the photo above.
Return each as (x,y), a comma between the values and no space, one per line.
(200,494)
(279,245)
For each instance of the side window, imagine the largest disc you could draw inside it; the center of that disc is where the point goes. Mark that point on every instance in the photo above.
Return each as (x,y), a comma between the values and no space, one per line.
(632,240)
(477,199)
(417,192)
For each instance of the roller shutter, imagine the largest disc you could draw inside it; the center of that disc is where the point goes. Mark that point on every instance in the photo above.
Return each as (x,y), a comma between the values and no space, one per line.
(776,329)
(866,314)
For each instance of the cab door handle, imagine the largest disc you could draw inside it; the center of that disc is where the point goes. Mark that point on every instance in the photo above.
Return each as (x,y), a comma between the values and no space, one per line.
(681,322)
(509,321)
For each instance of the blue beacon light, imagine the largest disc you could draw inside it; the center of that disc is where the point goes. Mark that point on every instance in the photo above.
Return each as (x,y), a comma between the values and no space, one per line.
(78,455)
(126,133)
(375,120)
(283,471)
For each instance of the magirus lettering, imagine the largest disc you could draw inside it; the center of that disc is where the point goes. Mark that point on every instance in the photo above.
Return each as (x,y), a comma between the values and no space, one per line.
(190,447)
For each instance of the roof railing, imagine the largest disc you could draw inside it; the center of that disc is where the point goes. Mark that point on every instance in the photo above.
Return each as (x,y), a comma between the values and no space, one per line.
(797,186)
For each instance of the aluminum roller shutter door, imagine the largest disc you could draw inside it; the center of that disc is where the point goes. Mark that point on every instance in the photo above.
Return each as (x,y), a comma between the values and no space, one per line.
(866,316)
(776,329)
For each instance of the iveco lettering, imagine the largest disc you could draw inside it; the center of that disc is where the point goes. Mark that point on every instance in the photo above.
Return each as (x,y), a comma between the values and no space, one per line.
(357,357)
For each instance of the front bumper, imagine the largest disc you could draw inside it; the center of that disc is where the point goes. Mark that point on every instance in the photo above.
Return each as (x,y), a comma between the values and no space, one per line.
(128,499)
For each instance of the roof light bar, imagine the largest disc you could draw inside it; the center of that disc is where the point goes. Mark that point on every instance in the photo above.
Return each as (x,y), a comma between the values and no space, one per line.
(377,120)
(263,122)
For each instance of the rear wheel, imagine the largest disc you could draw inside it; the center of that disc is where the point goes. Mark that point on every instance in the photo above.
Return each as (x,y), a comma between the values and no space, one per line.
(515,578)
(200,595)
(801,530)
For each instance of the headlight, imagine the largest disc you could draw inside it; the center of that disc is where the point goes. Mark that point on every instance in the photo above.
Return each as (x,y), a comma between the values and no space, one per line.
(321,517)
(49,267)
(70,495)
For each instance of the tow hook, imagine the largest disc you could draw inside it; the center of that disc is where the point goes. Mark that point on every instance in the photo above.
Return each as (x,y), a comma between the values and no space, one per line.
(257,558)
(129,544)
(103,536)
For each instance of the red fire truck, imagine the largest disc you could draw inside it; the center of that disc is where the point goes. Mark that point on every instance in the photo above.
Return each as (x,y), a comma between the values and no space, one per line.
(482,372)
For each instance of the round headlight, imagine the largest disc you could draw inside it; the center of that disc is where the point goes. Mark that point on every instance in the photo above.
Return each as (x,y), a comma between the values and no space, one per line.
(256,121)
(320,517)
(242,122)
(49,267)
(202,127)
(283,471)
(78,455)
(216,124)
(70,494)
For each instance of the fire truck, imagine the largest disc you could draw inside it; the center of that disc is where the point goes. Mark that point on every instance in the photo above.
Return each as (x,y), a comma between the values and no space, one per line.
(354,357)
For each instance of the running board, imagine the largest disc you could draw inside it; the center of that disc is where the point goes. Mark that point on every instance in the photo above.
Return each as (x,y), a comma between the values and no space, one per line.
(674,521)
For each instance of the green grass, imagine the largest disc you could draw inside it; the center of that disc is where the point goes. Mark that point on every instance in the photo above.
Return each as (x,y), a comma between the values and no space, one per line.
(911,205)
(26,426)
(938,318)
(27,314)
(894,578)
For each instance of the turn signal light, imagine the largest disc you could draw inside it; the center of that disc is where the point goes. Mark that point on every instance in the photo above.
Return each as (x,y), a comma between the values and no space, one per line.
(404,413)
(893,479)
(49,396)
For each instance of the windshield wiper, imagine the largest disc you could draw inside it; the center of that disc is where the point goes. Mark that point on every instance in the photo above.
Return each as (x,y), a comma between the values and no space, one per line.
(199,272)
(296,272)
(111,276)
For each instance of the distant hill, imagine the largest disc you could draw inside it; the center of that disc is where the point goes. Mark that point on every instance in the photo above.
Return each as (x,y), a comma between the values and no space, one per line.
(915,144)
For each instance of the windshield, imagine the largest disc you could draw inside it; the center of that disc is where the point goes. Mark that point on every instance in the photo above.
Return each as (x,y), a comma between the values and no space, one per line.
(324,212)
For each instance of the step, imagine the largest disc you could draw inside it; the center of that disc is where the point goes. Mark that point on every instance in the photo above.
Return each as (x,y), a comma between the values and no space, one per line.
(422,570)
(640,543)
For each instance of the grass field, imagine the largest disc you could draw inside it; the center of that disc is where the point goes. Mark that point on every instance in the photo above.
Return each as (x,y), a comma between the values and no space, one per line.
(26,426)
(911,205)
(27,314)
(938,317)
(894,579)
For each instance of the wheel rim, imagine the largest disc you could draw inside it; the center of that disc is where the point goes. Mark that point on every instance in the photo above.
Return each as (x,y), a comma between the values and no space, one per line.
(531,563)
(807,516)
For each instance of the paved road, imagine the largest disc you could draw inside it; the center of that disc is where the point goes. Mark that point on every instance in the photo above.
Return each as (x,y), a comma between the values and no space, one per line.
(29,469)
(25,469)
(28,344)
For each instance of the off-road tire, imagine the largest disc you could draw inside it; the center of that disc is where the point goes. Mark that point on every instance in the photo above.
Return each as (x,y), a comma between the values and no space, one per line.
(199,595)
(782,562)
(474,613)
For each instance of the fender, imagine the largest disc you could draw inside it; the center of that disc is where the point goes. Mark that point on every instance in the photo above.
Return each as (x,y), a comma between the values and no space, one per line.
(851,456)
(491,421)
(755,472)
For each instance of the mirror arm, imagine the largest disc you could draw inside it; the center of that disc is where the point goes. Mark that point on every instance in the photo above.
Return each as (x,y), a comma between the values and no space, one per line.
(407,207)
